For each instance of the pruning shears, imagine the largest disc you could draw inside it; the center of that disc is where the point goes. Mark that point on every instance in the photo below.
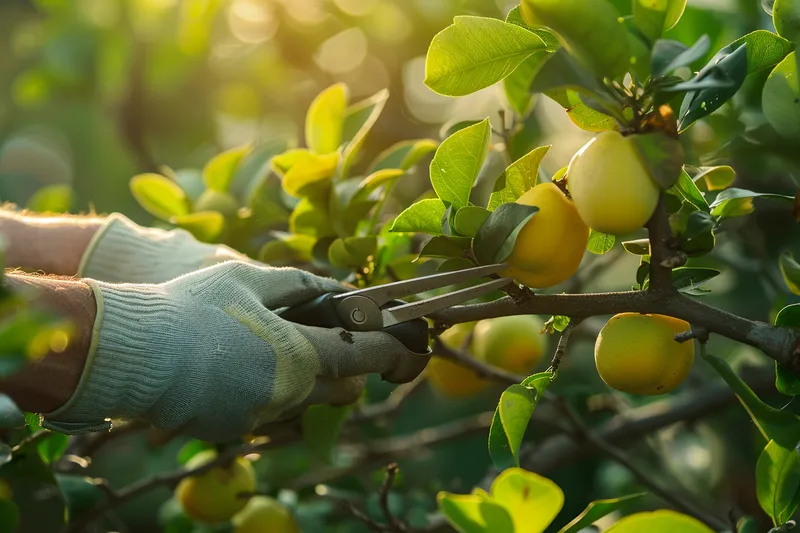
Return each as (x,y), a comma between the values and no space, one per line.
(380,309)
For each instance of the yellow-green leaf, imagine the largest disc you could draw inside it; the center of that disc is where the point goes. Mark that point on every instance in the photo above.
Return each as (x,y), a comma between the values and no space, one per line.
(533,501)
(309,172)
(521,176)
(159,196)
(206,226)
(53,199)
(325,119)
(218,173)
(662,521)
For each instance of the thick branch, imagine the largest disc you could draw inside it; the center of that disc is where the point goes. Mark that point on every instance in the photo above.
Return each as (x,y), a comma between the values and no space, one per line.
(662,258)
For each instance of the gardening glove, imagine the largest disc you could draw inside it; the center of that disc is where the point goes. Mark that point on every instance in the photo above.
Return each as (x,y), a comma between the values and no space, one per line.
(206,353)
(124,252)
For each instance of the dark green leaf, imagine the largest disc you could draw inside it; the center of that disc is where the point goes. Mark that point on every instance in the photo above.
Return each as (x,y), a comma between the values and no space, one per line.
(10,415)
(5,456)
(786,381)
(597,510)
(424,216)
(698,223)
(600,243)
(778,481)
(669,55)
(457,162)
(80,493)
(637,247)
(686,188)
(764,49)
(495,240)
(322,425)
(687,279)
(442,246)
(726,67)
(52,447)
(791,271)
(509,424)
(520,177)
(469,219)
(662,157)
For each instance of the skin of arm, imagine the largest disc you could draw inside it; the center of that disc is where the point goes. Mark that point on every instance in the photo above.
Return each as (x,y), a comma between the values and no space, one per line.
(43,386)
(51,244)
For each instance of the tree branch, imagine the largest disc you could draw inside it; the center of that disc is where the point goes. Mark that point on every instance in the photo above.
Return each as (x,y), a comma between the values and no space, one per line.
(663,258)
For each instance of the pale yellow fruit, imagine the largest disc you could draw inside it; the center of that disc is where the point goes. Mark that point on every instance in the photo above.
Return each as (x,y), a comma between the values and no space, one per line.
(609,185)
(265,515)
(451,379)
(638,353)
(213,497)
(513,343)
(550,247)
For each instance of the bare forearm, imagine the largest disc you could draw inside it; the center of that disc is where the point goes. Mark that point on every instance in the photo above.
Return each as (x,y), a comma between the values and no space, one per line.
(54,245)
(46,384)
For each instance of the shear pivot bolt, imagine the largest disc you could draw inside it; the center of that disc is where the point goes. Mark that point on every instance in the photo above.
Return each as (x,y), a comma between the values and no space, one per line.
(358,316)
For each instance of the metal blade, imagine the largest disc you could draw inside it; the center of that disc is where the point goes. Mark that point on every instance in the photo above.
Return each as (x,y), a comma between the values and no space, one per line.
(406,312)
(383,294)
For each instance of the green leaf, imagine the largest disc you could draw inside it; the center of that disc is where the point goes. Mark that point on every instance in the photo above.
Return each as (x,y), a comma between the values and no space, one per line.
(472,513)
(10,415)
(53,199)
(378,178)
(533,501)
(476,52)
(159,196)
(510,421)
(686,188)
(637,247)
(587,118)
(80,494)
(780,98)
(691,279)
(352,252)
(786,18)
(424,216)
(322,425)
(457,162)
(469,219)
(288,249)
(358,121)
(778,481)
(562,71)
(728,69)
(669,55)
(597,510)
(662,157)
(218,174)
(516,86)
(662,521)
(600,243)
(309,174)
(715,178)
(403,155)
(52,447)
(786,381)
(206,226)
(764,49)
(738,202)
(443,246)
(520,177)
(325,119)
(495,240)
(551,42)
(747,524)
(791,271)
(780,426)
(654,17)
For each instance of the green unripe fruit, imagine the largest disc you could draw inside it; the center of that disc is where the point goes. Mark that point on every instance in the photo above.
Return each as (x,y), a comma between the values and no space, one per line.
(590,29)
(221,202)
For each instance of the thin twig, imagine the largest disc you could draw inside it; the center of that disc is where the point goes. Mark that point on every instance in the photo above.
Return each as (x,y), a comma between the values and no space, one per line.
(395,525)
(563,342)
(32,440)
(480,368)
(648,481)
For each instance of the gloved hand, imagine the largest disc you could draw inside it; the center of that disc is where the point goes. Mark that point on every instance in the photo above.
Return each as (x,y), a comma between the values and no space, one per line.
(124,252)
(206,353)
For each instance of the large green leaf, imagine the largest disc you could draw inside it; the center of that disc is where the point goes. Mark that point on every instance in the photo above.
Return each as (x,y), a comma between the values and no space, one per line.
(325,119)
(219,173)
(159,196)
(424,216)
(520,177)
(322,425)
(687,188)
(457,162)
(532,501)
(653,17)
(476,52)
(469,219)
(780,98)
(764,49)
(778,481)
(510,421)
(495,240)
(597,510)
(780,426)
(551,42)
(662,521)
(472,513)
(587,118)
(358,121)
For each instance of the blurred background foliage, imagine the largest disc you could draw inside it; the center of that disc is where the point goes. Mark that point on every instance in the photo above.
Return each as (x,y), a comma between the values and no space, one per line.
(96,91)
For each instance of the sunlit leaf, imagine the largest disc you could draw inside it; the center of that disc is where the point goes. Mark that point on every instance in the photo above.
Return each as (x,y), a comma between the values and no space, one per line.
(424,216)
(778,481)
(325,119)
(715,178)
(597,510)
(206,226)
(653,17)
(510,421)
(288,250)
(533,501)
(53,199)
(358,121)
(159,196)
(457,162)
(521,176)
(476,52)
(403,155)
(738,202)
(218,174)
(662,521)
(686,188)
(352,252)
(309,173)
(600,243)
(469,219)
(472,513)
(786,18)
